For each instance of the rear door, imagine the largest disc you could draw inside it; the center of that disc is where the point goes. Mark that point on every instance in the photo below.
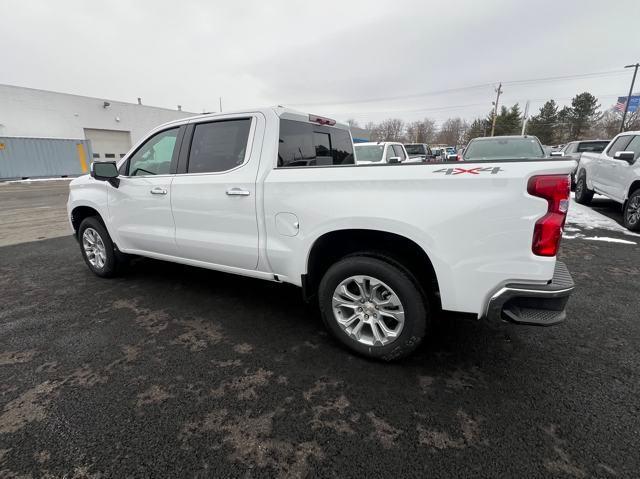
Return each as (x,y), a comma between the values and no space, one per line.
(140,208)
(214,192)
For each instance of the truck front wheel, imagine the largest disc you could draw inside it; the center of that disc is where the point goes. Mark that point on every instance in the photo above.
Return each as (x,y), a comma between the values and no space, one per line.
(632,211)
(97,248)
(374,307)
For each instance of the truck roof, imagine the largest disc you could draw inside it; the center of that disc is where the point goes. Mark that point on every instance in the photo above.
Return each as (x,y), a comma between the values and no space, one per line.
(283,112)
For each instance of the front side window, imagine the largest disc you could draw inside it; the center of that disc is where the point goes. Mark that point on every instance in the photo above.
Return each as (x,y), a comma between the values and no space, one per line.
(154,156)
(619,145)
(218,146)
(390,153)
(634,146)
(307,144)
(399,152)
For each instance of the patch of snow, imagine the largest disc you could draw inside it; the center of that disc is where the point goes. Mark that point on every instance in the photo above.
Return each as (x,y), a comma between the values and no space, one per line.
(609,240)
(587,219)
(35,180)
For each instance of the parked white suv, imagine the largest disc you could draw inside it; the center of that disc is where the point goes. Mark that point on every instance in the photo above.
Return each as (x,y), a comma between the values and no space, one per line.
(276,194)
(614,173)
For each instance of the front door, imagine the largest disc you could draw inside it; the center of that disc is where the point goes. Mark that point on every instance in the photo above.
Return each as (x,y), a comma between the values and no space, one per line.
(140,208)
(214,192)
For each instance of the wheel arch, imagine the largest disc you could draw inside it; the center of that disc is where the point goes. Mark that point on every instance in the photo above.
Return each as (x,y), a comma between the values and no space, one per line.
(334,245)
(79,213)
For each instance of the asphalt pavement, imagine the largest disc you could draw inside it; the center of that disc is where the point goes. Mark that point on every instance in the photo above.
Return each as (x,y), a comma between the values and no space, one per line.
(173,371)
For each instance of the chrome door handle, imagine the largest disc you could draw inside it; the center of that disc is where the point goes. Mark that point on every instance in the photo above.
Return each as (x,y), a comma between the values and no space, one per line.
(237,192)
(158,191)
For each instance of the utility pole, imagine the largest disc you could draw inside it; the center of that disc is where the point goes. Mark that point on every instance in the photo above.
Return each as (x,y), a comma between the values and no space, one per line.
(626,106)
(220,98)
(495,108)
(525,118)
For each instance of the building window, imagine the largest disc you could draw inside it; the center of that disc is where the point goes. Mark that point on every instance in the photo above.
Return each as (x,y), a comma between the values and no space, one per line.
(109,155)
(96,155)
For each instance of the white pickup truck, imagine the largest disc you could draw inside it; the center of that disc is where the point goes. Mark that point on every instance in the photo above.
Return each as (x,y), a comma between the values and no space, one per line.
(275,194)
(614,173)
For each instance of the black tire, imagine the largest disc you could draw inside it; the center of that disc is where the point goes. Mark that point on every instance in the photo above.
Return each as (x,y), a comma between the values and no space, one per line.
(583,194)
(631,214)
(405,287)
(111,263)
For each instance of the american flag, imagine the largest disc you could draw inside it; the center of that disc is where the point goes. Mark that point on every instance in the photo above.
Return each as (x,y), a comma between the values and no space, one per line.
(622,103)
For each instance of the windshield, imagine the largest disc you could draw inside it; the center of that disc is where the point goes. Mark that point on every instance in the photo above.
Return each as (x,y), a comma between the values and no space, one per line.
(369,152)
(592,146)
(503,149)
(415,149)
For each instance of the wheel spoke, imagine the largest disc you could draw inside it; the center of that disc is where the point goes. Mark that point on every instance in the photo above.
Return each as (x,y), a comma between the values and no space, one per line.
(348,294)
(356,329)
(373,316)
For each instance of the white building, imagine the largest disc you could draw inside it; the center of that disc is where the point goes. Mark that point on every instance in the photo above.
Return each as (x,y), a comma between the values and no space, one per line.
(111,127)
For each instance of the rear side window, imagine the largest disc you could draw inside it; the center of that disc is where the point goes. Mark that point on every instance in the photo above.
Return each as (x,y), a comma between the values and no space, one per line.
(218,146)
(619,145)
(306,144)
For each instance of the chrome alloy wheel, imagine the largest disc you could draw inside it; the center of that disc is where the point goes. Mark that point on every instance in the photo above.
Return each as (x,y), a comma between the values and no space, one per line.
(368,310)
(633,210)
(94,248)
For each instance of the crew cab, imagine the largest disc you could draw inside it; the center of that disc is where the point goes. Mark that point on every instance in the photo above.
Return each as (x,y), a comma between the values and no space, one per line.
(615,173)
(275,194)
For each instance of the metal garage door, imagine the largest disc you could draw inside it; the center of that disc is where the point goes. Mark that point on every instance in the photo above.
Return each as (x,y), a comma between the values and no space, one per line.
(108,144)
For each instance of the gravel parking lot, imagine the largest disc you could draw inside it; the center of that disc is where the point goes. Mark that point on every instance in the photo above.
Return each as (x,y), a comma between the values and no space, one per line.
(172,371)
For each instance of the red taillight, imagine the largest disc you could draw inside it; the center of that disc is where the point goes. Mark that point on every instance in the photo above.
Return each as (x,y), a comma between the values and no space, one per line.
(458,157)
(548,230)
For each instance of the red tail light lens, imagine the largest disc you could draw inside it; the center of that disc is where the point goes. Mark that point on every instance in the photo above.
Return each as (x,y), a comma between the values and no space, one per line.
(548,229)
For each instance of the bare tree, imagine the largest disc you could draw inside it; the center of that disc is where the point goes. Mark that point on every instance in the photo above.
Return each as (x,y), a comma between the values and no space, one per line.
(609,125)
(352,123)
(453,132)
(391,129)
(421,131)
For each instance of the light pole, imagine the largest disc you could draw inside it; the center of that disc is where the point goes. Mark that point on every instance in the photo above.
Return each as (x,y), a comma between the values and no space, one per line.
(626,105)
(495,108)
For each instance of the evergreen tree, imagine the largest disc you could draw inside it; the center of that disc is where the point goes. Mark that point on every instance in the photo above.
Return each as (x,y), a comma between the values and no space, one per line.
(508,121)
(543,125)
(584,114)
(479,127)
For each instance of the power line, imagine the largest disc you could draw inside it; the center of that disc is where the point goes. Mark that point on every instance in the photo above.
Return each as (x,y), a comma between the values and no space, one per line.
(465,88)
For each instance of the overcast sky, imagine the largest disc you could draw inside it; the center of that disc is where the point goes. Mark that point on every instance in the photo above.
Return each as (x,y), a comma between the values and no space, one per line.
(328,57)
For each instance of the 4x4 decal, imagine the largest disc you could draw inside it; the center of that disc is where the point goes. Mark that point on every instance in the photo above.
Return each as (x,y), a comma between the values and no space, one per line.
(493,170)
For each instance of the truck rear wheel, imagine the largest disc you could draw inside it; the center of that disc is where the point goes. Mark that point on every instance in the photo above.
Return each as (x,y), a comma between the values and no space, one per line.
(373,307)
(583,194)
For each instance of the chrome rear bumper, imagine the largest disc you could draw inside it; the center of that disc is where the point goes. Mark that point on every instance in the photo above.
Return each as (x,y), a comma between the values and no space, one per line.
(534,304)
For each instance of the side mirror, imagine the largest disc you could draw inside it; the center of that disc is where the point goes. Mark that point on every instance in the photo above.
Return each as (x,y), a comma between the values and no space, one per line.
(556,153)
(394,160)
(105,171)
(627,156)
